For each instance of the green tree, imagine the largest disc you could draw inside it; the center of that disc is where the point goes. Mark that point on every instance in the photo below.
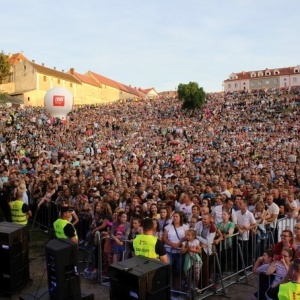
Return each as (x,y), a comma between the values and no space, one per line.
(4,67)
(192,95)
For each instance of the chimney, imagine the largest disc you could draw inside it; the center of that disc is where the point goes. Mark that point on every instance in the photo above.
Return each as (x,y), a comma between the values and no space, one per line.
(42,64)
(54,68)
(33,61)
(63,70)
(72,70)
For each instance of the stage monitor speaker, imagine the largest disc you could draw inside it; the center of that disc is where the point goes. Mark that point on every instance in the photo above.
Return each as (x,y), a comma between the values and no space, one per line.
(63,279)
(14,266)
(140,278)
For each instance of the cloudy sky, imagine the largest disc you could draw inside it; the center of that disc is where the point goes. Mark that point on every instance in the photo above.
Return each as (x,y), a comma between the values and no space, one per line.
(154,43)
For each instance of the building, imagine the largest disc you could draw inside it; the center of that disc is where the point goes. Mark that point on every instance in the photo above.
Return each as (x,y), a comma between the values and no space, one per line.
(150,93)
(29,82)
(263,79)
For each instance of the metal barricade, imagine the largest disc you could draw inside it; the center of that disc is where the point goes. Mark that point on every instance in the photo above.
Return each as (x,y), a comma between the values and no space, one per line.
(44,217)
(231,262)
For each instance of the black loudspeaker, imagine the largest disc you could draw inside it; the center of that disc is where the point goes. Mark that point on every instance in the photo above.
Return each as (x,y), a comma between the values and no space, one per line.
(14,266)
(140,278)
(63,279)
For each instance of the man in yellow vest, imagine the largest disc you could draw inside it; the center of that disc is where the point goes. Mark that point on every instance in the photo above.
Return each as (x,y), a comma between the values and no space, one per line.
(62,226)
(20,212)
(291,289)
(148,245)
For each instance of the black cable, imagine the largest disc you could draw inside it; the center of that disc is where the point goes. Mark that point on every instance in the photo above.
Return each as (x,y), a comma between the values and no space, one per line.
(35,296)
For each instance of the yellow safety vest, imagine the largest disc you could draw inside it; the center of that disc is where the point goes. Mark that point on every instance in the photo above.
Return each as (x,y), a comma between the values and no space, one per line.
(59,226)
(17,216)
(144,245)
(289,291)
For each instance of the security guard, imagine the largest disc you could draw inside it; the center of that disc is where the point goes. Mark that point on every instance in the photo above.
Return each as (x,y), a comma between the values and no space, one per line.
(148,245)
(291,288)
(20,212)
(63,228)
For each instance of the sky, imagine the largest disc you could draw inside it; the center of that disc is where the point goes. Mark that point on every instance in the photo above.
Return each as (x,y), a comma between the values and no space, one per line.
(154,43)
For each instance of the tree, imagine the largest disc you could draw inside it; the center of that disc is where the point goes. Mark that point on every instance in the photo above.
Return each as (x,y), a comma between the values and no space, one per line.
(192,96)
(4,67)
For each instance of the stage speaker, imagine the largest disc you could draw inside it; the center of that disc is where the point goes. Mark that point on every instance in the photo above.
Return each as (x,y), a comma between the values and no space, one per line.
(14,266)
(63,278)
(140,278)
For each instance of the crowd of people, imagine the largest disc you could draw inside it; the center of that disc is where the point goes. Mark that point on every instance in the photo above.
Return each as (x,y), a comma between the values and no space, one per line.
(201,176)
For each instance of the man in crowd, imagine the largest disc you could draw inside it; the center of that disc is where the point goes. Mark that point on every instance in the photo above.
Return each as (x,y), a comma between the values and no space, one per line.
(148,245)
(291,289)
(20,212)
(62,226)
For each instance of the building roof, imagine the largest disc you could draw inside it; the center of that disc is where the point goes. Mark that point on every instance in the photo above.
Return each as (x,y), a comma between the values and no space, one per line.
(146,91)
(16,58)
(104,80)
(247,75)
(117,85)
(84,78)
(55,73)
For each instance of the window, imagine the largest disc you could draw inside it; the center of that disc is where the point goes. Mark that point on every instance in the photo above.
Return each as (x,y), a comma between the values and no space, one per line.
(45,78)
(253,74)
(260,73)
(297,69)
(276,72)
(267,81)
(229,85)
(276,80)
(259,82)
(294,79)
(236,85)
(252,84)
(268,73)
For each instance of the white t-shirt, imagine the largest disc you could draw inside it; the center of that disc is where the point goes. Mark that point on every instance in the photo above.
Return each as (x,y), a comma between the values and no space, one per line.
(245,220)
(273,209)
(217,214)
(187,209)
(172,236)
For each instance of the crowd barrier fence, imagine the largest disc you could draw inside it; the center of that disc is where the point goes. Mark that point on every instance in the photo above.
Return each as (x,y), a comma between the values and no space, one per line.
(231,260)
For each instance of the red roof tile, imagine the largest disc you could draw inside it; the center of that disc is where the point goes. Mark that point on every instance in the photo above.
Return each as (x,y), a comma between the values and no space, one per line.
(55,73)
(247,75)
(16,58)
(86,79)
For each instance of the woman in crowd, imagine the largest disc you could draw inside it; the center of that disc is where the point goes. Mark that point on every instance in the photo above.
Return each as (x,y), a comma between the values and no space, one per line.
(173,237)
(164,219)
(296,239)
(119,235)
(83,210)
(279,268)
(196,212)
(286,241)
(260,214)
(154,212)
(261,265)
(206,203)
